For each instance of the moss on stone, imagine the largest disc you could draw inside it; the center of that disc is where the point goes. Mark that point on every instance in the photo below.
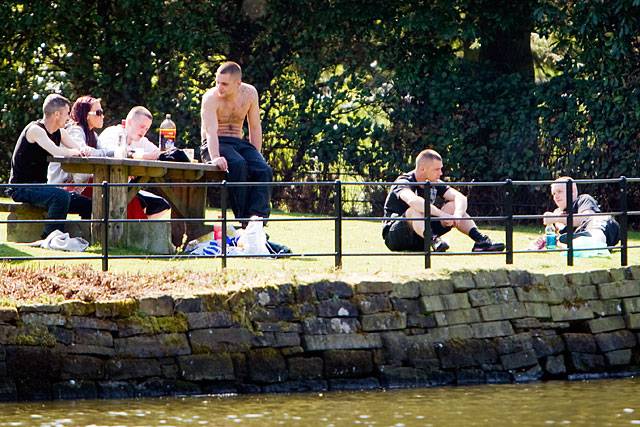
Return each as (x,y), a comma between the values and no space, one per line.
(122,308)
(156,325)
(78,308)
(35,336)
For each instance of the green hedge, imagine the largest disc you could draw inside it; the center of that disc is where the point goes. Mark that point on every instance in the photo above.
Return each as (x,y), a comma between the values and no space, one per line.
(356,87)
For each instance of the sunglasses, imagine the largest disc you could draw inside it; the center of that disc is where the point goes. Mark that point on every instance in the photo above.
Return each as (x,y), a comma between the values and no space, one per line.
(98,113)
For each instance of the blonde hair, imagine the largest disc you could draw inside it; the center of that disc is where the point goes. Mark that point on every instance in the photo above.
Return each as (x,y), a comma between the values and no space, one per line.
(139,111)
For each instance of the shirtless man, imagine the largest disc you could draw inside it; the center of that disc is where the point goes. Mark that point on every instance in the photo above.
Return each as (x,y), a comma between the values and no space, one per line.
(29,164)
(224,110)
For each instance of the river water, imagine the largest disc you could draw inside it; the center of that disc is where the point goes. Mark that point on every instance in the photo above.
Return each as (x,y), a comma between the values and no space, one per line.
(588,403)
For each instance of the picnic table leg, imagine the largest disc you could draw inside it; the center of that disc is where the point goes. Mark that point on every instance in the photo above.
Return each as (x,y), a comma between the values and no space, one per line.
(118,206)
(100,174)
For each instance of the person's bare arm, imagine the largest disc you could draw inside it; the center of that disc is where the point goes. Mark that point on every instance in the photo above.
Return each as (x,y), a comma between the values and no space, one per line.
(209,117)
(558,216)
(253,119)
(38,136)
(417,203)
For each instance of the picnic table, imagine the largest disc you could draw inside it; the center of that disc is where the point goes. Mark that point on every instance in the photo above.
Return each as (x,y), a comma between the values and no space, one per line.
(185,201)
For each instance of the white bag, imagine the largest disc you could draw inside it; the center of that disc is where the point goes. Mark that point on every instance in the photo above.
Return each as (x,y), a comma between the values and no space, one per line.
(253,240)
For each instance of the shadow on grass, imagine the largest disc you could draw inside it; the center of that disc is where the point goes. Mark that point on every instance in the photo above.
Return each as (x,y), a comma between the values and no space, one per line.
(7,251)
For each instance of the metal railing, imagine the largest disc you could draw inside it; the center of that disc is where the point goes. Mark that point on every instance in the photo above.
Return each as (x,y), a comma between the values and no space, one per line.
(507,218)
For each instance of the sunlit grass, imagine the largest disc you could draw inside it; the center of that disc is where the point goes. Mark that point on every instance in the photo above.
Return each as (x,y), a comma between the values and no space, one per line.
(318,237)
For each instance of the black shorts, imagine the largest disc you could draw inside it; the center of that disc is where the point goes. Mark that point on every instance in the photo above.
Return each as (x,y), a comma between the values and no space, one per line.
(399,236)
(612,232)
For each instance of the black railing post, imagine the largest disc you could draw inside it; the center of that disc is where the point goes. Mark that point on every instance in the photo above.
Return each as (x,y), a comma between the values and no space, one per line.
(338,227)
(223,206)
(508,210)
(624,221)
(569,208)
(105,225)
(427,235)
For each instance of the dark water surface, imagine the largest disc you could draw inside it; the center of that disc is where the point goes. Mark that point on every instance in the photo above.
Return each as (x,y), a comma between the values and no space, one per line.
(592,403)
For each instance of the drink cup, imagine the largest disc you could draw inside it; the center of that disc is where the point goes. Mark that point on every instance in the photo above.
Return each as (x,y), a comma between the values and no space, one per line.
(190,153)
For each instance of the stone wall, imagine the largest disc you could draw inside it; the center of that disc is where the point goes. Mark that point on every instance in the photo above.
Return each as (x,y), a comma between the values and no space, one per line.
(484,327)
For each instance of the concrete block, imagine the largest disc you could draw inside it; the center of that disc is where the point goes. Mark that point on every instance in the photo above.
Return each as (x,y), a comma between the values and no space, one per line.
(505,311)
(480,297)
(341,342)
(623,289)
(374,287)
(619,357)
(450,332)
(373,303)
(406,290)
(492,329)
(555,365)
(521,359)
(200,367)
(436,287)
(462,281)
(631,305)
(455,301)
(633,320)
(580,343)
(384,321)
(606,324)
(615,340)
(455,317)
(560,313)
(538,310)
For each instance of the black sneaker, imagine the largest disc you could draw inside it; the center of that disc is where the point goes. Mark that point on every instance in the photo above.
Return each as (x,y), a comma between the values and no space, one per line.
(487,245)
(439,245)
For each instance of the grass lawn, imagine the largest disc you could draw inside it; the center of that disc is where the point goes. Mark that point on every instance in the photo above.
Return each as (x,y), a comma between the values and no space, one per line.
(313,237)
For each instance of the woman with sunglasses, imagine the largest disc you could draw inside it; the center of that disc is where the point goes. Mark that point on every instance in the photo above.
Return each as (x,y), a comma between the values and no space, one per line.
(87,115)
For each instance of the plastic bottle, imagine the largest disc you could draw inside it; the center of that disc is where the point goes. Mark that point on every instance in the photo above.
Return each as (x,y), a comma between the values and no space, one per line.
(550,236)
(121,148)
(167,134)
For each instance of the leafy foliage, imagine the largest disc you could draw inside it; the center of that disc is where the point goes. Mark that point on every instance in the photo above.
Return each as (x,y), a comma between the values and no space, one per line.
(355,87)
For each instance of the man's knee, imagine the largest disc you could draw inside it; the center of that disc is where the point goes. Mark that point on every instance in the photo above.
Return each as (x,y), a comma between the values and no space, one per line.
(264,173)
(237,169)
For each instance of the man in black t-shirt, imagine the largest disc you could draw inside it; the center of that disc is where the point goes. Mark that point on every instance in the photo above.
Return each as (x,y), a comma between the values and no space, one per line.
(404,202)
(601,227)
(29,164)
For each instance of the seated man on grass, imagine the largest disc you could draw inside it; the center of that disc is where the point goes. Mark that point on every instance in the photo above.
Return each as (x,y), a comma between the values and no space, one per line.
(602,228)
(404,201)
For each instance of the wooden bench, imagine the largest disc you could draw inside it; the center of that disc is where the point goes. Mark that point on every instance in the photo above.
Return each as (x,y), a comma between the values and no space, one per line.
(30,232)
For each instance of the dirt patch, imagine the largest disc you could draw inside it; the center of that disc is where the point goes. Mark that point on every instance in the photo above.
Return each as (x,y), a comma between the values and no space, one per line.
(58,283)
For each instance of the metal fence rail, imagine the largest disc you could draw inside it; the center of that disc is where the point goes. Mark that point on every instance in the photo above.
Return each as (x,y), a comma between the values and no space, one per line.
(507,219)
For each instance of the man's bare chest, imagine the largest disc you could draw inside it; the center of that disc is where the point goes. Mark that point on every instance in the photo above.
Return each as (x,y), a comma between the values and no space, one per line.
(233,111)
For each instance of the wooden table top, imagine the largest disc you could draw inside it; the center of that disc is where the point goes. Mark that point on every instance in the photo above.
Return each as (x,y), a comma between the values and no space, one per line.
(111,161)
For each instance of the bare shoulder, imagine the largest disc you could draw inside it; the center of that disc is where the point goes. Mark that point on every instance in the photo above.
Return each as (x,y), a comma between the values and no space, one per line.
(209,96)
(35,132)
(249,91)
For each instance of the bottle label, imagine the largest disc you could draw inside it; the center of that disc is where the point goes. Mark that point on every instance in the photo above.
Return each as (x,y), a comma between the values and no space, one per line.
(551,241)
(167,138)
(168,133)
